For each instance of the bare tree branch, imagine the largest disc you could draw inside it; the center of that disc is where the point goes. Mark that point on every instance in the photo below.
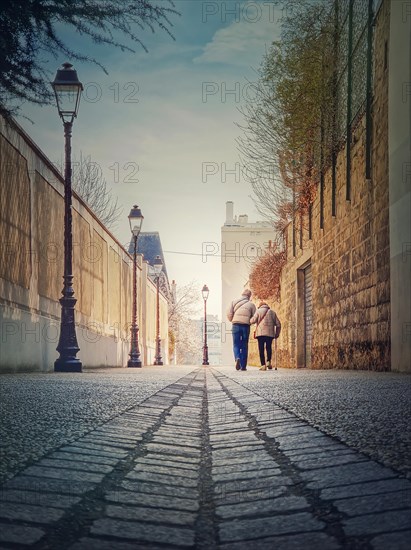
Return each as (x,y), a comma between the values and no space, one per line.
(29,29)
(89,184)
(185,335)
(281,135)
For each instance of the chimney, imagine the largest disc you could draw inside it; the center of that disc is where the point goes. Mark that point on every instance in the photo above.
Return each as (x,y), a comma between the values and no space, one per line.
(229,213)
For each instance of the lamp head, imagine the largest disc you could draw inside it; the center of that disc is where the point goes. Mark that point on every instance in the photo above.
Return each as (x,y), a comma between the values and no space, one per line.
(135,219)
(67,89)
(205,292)
(158,265)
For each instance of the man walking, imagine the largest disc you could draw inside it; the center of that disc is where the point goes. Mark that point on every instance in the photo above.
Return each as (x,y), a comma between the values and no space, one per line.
(239,314)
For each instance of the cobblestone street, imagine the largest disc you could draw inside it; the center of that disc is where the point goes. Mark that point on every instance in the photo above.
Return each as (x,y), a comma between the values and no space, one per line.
(185,457)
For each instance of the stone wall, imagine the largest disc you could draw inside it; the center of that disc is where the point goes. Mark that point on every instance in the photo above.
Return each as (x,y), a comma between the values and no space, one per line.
(31,270)
(350,255)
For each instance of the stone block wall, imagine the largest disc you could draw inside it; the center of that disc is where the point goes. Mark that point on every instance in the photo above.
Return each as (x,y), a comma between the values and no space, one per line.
(349,256)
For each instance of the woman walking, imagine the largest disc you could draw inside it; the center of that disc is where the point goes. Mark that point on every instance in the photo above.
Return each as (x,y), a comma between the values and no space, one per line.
(268,328)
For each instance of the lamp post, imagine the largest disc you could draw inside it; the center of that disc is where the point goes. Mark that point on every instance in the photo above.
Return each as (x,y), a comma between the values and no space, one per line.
(158,266)
(67,89)
(205,292)
(136,220)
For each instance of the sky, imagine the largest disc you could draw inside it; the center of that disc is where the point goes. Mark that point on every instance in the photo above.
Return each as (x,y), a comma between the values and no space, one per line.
(162,127)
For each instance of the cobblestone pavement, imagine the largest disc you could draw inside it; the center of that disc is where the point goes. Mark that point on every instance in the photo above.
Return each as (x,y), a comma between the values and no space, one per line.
(205,463)
(369,411)
(41,411)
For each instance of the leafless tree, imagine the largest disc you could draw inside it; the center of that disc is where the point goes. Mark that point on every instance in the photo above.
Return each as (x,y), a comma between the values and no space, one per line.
(282,130)
(89,183)
(187,339)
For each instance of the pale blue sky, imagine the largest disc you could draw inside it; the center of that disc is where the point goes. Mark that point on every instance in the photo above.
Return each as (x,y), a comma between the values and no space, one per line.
(180,131)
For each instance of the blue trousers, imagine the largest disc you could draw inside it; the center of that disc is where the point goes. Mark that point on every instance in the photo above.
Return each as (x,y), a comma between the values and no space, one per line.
(240,343)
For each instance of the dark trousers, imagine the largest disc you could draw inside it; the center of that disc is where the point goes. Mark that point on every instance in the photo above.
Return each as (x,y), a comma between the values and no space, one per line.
(241,334)
(265,342)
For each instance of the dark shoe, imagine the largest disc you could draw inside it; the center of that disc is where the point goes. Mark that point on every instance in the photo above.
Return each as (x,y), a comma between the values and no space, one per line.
(237,364)
(243,369)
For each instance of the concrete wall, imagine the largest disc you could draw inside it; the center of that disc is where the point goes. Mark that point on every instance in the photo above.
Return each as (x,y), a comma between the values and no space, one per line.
(31,270)
(399,143)
(148,328)
(350,255)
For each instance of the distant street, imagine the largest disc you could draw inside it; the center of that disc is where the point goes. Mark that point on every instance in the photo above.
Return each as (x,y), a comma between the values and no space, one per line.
(205,457)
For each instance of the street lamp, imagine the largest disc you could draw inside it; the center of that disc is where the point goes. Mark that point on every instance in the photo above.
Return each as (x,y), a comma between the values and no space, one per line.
(136,219)
(205,292)
(158,266)
(67,89)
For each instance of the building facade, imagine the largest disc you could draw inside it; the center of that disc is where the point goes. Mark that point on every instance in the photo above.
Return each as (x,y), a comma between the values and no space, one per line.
(242,242)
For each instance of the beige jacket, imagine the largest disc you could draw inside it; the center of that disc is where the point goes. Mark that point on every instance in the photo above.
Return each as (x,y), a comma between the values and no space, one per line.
(241,311)
(270,325)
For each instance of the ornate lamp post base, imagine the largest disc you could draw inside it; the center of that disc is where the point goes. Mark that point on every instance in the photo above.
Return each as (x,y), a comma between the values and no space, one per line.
(158,359)
(134,361)
(67,365)
(67,346)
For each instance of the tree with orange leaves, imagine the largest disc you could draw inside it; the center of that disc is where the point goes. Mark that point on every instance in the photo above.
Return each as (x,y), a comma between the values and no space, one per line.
(266,273)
